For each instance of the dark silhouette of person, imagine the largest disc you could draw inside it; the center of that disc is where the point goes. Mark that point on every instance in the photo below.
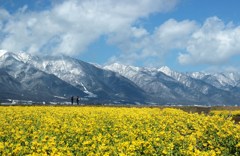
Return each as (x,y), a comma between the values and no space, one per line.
(72,98)
(77,100)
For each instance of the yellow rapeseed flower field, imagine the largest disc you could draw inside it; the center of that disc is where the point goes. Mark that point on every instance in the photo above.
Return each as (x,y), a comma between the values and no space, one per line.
(114,131)
(226,112)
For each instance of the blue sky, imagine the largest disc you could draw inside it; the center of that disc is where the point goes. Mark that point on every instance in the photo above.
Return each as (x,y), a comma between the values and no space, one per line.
(186,35)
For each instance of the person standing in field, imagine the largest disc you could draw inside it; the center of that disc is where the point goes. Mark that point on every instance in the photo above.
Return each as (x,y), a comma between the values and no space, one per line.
(72,98)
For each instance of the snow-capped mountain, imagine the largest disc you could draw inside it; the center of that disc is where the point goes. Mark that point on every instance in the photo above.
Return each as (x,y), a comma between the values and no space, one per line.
(174,87)
(223,81)
(62,76)
(30,82)
(56,78)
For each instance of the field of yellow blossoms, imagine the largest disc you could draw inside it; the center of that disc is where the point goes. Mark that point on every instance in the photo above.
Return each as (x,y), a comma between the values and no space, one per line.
(226,112)
(46,130)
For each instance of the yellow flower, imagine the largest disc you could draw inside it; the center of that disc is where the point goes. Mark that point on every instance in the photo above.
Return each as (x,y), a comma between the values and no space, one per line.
(114,131)
(1,146)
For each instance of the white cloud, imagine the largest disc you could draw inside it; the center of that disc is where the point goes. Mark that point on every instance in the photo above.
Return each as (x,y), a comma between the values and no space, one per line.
(173,34)
(71,26)
(4,15)
(213,43)
(151,48)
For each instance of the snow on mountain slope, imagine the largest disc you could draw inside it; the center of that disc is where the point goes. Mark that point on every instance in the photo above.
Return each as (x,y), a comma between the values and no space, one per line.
(34,83)
(67,69)
(224,81)
(219,80)
(2,52)
(153,81)
(59,75)
(95,82)
(90,94)
(90,79)
(180,77)
(165,83)
(152,74)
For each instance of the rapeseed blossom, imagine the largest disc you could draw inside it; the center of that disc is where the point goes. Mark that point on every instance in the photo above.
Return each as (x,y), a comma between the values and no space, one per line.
(114,131)
(226,113)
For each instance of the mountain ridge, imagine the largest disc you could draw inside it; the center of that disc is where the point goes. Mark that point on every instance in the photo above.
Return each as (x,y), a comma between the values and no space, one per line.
(91,83)
(62,76)
(208,94)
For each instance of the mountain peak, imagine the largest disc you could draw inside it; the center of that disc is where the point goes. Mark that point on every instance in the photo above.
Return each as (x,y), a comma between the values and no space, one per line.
(2,52)
(23,56)
(62,75)
(198,75)
(120,67)
(20,56)
(166,70)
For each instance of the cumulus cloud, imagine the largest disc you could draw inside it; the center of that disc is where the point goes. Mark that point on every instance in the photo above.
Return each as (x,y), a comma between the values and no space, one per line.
(4,15)
(70,27)
(213,43)
(173,34)
(152,48)
(210,43)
